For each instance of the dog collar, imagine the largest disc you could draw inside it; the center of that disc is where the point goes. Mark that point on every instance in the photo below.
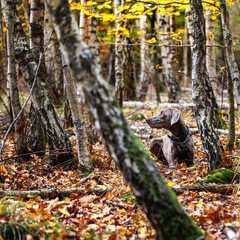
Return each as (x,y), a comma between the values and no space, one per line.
(181,140)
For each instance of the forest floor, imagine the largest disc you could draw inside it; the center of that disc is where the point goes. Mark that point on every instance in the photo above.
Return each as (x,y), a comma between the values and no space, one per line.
(113,213)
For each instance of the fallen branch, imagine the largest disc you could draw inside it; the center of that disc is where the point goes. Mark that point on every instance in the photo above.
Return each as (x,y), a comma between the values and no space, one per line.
(193,130)
(224,188)
(133,104)
(53,193)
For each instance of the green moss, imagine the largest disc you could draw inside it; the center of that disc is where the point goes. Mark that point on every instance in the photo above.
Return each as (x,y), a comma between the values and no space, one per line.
(137,116)
(223,176)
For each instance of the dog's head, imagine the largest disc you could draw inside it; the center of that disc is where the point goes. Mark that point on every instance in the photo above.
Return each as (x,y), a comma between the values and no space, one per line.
(166,119)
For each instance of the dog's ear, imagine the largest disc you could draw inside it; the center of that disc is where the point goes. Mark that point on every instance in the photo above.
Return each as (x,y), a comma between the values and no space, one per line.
(175,117)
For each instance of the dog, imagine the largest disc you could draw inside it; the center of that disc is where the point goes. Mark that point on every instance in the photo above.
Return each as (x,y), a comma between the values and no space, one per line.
(179,146)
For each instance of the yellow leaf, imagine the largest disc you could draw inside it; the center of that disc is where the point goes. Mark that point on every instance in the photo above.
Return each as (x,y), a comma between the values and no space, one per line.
(2,169)
(153,40)
(171,184)
(214,17)
(200,203)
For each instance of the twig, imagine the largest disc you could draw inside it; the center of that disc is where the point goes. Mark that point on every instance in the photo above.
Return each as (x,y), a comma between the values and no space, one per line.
(25,103)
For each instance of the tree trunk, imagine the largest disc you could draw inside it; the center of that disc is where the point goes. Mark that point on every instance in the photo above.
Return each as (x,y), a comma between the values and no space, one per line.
(37,138)
(130,92)
(144,79)
(210,52)
(53,63)
(93,42)
(159,203)
(231,61)
(203,96)
(119,82)
(8,11)
(167,62)
(185,58)
(56,137)
(84,157)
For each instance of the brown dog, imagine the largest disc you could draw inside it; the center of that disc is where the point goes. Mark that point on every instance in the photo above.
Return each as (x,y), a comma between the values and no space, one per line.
(179,146)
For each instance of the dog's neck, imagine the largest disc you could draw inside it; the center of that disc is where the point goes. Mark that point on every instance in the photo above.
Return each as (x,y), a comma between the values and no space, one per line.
(178,129)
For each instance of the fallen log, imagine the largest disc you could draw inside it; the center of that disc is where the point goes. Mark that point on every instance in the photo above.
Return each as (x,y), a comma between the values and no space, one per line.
(207,187)
(54,192)
(193,130)
(134,104)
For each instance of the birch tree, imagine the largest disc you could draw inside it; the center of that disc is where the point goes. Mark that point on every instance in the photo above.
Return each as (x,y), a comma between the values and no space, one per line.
(231,61)
(37,137)
(159,203)
(167,61)
(78,120)
(56,137)
(203,97)
(12,83)
(143,88)
(119,83)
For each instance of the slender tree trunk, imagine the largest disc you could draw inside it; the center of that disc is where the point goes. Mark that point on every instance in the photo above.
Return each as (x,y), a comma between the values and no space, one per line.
(78,120)
(231,114)
(130,92)
(111,64)
(93,42)
(119,80)
(231,61)
(53,63)
(156,77)
(144,78)
(167,62)
(8,11)
(210,52)
(37,137)
(56,137)
(159,203)
(185,59)
(203,96)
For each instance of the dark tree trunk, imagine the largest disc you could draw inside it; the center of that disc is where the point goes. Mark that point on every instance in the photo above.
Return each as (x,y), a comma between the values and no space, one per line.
(56,137)
(37,138)
(158,201)
(203,97)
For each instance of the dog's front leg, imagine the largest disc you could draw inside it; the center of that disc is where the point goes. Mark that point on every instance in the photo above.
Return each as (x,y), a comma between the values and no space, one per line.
(170,152)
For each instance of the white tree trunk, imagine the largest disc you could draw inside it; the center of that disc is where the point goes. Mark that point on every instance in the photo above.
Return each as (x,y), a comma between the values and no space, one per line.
(12,83)
(119,80)
(167,61)
(233,68)
(143,88)
(84,157)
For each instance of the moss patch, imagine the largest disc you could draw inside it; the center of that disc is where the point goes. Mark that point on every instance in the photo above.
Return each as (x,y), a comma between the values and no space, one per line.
(223,176)
(137,116)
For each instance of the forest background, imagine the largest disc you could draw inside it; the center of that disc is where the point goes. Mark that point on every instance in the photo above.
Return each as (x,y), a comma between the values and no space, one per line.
(146,51)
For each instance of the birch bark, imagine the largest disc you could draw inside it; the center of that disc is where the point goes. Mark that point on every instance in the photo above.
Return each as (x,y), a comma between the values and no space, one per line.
(203,97)
(159,203)
(37,137)
(167,62)
(210,52)
(143,88)
(78,120)
(233,68)
(8,12)
(119,82)
(56,137)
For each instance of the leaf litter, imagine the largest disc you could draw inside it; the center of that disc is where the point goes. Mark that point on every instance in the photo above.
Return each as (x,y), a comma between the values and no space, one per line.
(114,214)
